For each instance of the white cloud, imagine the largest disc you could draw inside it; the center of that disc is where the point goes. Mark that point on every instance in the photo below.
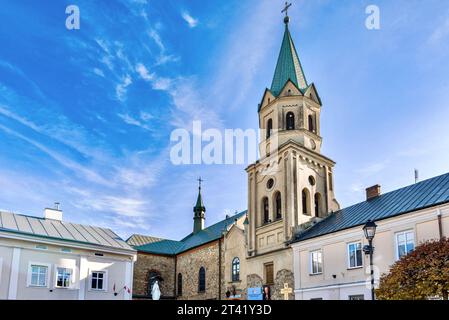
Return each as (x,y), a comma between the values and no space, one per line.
(192,22)
(120,89)
(98,72)
(144,73)
(441,32)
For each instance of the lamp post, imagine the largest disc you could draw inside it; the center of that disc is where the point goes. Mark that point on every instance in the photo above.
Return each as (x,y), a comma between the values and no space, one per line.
(370,231)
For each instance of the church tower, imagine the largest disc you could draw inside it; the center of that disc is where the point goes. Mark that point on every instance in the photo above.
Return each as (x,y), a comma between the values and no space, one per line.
(199,211)
(291,185)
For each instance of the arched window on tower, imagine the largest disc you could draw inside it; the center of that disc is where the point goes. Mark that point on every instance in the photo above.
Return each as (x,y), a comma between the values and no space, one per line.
(236,269)
(312,127)
(290,121)
(317,205)
(265,210)
(179,284)
(269,127)
(278,203)
(202,280)
(306,202)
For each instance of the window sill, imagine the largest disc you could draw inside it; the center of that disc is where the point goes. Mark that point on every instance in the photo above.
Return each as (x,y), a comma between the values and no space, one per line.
(315,274)
(355,268)
(236,281)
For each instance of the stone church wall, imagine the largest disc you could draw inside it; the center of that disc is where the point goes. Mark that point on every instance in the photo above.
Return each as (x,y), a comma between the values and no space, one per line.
(189,264)
(146,263)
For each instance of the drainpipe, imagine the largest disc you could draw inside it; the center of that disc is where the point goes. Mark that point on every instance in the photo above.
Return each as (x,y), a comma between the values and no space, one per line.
(440,224)
(219,267)
(175,279)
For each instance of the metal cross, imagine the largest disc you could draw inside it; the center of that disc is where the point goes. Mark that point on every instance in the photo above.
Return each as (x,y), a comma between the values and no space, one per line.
(199,181)
(287,5)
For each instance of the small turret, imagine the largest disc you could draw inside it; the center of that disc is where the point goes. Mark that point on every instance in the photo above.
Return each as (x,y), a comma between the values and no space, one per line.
(199,211)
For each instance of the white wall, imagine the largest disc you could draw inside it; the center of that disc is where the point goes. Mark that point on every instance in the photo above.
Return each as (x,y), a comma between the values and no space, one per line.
(14,271)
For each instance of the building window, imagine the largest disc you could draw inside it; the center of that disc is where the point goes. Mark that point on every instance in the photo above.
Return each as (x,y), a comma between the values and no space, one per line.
(269,127)
(269,273)
(317,203)
(355,255)
(316,262)
(179,284)
(312,124)
(312,180)
(63,277)
(278,202)
(38,275)
(236,269)
(305,202)
(270,184)
(98,280)
(290,121)
(357,297)
(405,243)
(202,280)
(266,211)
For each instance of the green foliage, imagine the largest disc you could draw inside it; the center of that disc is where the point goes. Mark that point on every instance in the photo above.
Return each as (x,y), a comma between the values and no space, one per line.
(421,274)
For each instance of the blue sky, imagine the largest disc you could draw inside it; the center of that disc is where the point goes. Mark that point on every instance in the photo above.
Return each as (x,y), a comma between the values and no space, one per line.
(86,115)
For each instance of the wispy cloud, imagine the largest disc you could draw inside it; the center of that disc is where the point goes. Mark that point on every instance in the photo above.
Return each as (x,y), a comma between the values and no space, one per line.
(191,21)
(121,88)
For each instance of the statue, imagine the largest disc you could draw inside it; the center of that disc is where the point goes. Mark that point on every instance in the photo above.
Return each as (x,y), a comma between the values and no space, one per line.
(155,292)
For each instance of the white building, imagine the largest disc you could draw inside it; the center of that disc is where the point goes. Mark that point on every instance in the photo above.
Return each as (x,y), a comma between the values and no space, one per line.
(47,258)
(329,262)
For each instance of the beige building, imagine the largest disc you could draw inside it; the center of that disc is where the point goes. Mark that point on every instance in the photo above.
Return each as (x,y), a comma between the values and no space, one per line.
(47,258)
(329,262)
(291,186)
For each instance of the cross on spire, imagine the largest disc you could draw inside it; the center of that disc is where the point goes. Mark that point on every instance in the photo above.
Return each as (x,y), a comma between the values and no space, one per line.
(199,182)
(287,5)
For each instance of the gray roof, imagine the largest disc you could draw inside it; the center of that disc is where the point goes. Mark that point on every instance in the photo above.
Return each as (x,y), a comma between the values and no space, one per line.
(60,230)
(140,240)
(424,194)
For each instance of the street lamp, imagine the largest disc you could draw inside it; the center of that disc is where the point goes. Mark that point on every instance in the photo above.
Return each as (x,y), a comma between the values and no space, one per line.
(370,231)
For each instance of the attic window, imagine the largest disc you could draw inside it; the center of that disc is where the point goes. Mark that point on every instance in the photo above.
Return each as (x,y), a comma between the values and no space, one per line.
(289,92)
(269,100)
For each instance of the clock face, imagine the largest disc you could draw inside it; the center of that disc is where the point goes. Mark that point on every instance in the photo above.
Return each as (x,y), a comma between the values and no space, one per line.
(313,144)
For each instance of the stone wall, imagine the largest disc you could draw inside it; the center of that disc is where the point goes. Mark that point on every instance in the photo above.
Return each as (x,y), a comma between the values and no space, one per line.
(189,264)
(146,263)
(283,276)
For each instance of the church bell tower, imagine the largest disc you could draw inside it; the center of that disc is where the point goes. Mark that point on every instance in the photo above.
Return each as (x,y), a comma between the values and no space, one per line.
(291,185)
(199,211)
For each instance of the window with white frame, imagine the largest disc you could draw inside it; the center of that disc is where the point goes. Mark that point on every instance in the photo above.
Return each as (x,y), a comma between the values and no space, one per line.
(316,262)
(98,280)
(355,255)
(405,242)
(38,275)
(63,277)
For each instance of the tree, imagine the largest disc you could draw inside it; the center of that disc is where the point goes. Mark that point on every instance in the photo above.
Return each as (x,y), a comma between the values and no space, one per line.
(421,274)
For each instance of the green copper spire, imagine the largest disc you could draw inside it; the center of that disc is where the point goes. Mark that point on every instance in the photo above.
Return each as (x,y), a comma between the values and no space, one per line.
(199,210)
(288,65)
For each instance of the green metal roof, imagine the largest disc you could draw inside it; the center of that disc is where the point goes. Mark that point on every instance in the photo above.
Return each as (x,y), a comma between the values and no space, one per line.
(425,194)
(172,247)
(288,66)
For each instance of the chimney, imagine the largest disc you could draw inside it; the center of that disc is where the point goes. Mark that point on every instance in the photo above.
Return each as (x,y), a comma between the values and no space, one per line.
(53,214)
(372,192)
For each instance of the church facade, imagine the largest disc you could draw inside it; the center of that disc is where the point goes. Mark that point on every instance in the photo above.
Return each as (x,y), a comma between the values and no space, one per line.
(289,188)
